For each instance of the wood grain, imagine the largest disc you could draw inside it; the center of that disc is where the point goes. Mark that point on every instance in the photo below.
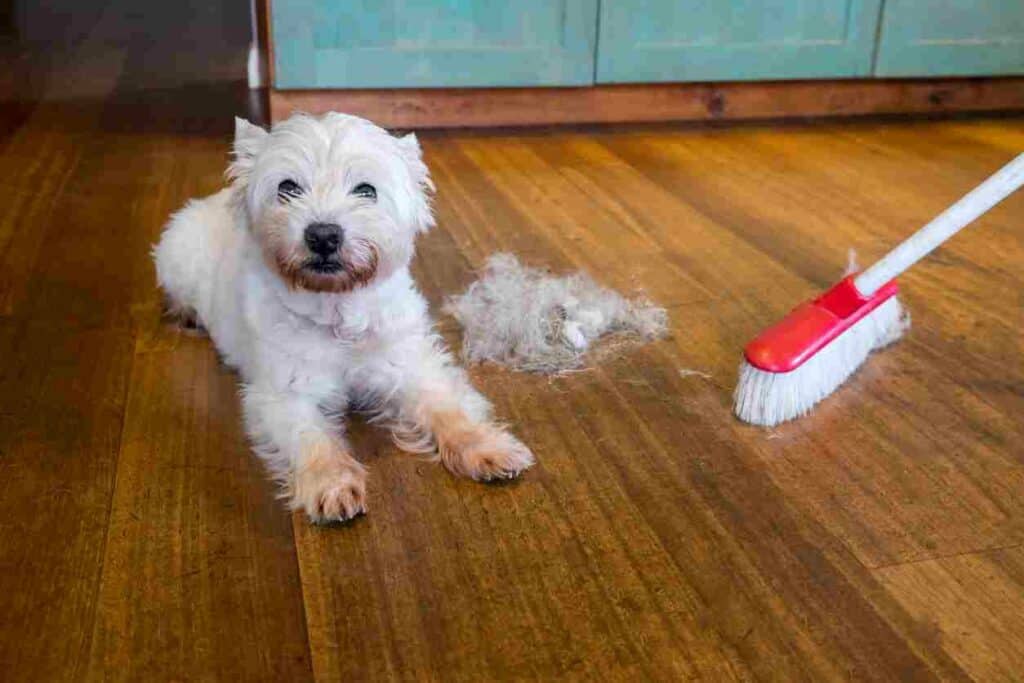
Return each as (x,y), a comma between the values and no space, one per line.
(61,409)
(657,539)
(971,601)
(199,578)
(465,107)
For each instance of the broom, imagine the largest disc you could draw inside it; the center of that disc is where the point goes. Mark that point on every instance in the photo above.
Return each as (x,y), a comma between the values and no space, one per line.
(803,358)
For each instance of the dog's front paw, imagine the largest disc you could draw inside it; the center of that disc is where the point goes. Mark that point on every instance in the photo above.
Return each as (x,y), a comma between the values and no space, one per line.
(332,492)
(489,454)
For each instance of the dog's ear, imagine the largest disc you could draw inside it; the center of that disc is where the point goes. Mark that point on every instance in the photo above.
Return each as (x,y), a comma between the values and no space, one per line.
(249,140)
(423,215)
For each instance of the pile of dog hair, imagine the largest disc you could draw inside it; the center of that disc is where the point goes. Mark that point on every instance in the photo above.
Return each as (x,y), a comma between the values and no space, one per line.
(529,320)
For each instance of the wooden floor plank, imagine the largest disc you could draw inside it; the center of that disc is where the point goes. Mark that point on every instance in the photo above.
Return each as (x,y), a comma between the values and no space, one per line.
(199,576)
(61,405)
(973,603)
(40,159)
(1007,135)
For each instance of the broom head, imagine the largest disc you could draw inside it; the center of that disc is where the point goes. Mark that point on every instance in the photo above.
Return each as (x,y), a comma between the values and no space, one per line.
(804,357)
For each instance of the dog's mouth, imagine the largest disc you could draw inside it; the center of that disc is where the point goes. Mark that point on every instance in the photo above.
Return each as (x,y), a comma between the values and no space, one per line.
(353,266)
(323,266)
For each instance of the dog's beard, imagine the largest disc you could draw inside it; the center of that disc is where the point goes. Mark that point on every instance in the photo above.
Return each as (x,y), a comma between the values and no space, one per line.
(353,266)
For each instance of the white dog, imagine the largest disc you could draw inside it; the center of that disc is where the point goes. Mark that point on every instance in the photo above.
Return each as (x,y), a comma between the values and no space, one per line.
(299,271)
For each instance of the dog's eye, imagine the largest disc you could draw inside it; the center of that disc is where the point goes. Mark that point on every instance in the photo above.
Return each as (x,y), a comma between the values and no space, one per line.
(365,190)
(288,189)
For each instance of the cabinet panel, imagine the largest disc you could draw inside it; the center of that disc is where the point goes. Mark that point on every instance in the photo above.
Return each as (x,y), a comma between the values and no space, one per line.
(951,38)
(433,43)
(700,40)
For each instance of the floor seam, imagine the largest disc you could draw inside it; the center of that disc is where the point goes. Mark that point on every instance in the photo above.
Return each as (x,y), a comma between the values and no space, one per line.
(938,558)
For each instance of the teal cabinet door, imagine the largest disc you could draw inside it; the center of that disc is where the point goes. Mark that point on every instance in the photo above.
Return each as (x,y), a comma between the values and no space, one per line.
(734,40)
(951,38)
(433,43)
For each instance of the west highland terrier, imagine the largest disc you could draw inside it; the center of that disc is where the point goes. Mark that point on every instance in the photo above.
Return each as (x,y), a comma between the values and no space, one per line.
(299,271)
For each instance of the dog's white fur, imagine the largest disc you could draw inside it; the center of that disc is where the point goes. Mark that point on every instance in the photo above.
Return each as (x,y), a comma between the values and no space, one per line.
(310,344)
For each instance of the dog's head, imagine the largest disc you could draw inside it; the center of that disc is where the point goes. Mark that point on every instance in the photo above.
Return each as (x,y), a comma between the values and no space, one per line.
(334,201)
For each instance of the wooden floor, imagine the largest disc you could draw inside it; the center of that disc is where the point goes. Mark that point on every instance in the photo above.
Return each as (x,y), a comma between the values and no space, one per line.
(657,539)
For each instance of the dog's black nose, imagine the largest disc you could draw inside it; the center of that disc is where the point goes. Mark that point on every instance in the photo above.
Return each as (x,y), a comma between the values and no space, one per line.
(323,239)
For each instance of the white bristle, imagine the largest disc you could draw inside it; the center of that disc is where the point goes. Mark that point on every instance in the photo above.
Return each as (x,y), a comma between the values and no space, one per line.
(769,398)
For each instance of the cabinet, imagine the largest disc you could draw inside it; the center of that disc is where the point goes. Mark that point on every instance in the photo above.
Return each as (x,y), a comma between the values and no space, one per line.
(951,38)
(433,43)
(389,44)
(698,40)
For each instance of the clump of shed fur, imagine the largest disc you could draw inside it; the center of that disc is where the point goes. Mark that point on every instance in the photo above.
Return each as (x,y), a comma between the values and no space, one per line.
(530,320)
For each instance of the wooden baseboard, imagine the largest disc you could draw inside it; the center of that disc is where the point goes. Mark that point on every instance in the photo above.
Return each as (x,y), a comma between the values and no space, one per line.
(483,107)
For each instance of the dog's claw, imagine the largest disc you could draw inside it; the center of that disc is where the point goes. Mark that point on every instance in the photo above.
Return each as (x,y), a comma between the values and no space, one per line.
(498,458)
(341,503)
(333,496)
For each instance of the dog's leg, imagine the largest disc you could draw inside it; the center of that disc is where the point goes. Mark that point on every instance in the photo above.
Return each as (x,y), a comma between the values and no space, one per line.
(480,450)
(438,408)
(307,453)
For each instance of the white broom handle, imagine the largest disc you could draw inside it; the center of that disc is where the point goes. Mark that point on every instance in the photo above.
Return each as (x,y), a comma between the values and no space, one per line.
(979,200)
